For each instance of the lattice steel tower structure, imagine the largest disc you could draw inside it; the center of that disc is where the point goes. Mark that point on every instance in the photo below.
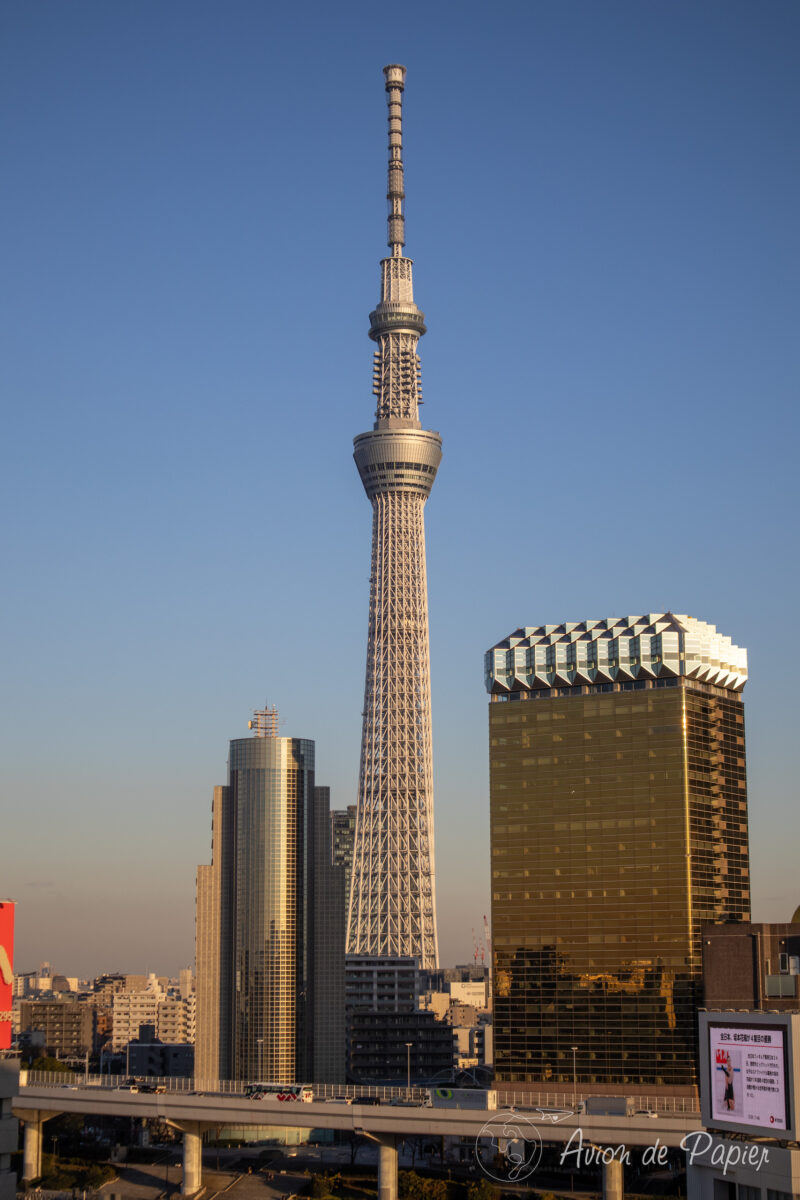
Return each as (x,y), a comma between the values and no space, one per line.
(392,907)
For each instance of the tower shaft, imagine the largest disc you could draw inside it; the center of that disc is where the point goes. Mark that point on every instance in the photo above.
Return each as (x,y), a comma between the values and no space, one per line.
(392,908)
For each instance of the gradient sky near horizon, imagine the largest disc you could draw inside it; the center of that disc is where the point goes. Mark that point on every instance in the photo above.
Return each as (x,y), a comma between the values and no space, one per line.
(602,209)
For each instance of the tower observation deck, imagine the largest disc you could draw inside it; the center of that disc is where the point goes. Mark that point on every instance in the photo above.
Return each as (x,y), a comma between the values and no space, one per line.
(392,908)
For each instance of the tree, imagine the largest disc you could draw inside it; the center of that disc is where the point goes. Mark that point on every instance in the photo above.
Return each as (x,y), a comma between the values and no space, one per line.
(482,1190)
(47,1063)
(415,1187)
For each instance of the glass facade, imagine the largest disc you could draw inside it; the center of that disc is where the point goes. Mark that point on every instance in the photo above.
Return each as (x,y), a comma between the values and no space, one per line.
(618,825)
(271,783)
(271,921)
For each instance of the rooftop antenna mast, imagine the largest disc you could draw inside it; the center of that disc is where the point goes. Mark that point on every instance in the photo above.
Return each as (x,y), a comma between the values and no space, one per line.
(265,721)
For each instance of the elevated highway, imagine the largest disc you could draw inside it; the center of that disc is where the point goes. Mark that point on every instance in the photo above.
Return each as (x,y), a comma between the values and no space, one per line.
(386,1124)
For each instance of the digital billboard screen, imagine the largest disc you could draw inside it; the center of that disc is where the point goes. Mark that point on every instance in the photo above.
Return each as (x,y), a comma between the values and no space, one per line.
(748,1075)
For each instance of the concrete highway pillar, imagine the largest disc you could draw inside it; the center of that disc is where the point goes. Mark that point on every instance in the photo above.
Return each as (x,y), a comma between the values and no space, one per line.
(613,1180)
(192,1157)
(32,1144)
(32,1150)
(387,1167)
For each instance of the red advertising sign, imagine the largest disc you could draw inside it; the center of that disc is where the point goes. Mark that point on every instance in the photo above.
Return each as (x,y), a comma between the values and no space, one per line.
(6,970)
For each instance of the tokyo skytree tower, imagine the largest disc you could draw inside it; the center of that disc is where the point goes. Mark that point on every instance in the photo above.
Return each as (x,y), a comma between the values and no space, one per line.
(392,895)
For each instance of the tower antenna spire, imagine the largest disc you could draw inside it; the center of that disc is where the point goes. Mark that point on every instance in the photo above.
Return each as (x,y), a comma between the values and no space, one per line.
(395,85)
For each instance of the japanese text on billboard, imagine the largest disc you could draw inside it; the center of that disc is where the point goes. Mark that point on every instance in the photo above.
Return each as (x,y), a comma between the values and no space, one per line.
(748,1084)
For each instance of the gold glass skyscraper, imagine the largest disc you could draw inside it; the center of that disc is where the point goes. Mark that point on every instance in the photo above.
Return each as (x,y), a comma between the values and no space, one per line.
(618,825)
(270,922)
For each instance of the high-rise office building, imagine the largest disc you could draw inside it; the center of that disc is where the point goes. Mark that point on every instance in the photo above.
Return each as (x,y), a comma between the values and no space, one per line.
(270,984)
(343,837)
(618,826)
(329,934)
(392,907)
(213,905)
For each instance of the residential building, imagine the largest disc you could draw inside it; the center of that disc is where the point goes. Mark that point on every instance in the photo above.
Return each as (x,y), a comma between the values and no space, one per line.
(131,1010)
(618,827)
(172,1018)
(104,988)
(387,1030)
(176,1020)
(382,984)
(67,1025)
(465,1006)
(393,1048)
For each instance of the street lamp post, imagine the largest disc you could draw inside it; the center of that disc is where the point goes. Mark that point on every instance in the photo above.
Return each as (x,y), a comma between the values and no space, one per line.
(574,1079)
(408,1065)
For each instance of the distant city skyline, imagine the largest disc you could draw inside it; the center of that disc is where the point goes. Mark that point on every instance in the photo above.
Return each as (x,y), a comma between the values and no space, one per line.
(603,202)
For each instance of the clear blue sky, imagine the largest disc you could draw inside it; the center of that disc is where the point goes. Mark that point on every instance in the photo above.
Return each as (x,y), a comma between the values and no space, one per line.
(602,209)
